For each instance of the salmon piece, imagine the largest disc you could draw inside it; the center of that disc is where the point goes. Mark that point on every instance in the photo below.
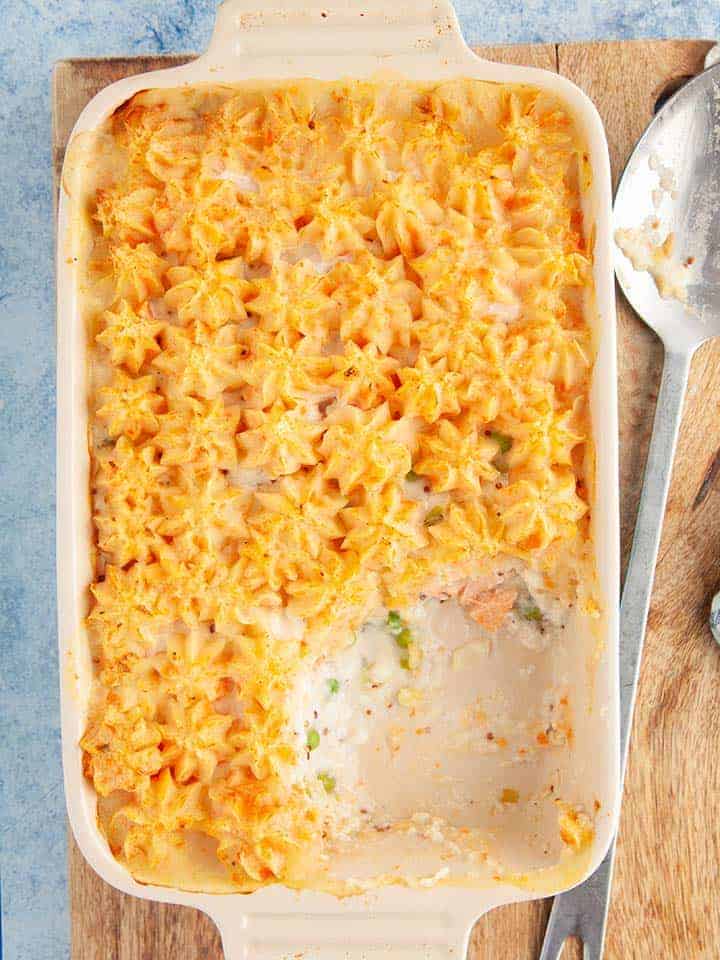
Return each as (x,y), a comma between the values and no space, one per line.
(487,607)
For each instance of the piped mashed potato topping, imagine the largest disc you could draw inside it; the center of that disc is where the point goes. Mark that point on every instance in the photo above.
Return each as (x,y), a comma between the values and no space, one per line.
(340,452)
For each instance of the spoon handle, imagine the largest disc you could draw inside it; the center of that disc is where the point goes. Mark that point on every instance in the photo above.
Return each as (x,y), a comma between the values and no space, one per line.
(582,911)
(640,574)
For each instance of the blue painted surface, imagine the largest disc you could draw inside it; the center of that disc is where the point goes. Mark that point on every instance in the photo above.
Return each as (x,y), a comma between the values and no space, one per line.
(34,34)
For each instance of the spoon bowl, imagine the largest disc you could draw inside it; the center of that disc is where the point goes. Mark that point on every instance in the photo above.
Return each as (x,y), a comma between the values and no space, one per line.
(671,185)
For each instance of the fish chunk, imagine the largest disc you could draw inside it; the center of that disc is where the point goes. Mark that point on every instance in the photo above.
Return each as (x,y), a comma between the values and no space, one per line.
(488,607)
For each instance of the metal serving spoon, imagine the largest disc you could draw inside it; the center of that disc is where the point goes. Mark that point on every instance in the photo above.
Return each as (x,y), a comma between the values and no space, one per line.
(683,139)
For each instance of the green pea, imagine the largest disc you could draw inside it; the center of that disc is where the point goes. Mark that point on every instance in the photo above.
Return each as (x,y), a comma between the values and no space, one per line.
(502,440)
(436,515)
(313,739)
(532,613)
(333,686)
(395,622)
(328,781)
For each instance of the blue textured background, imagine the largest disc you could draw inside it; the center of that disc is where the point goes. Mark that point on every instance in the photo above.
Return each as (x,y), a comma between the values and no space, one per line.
(33,36)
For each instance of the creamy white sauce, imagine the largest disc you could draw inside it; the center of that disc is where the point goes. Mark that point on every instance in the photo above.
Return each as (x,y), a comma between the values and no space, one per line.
(667,183)
(246,478)
(368,676)
(242,181)
(396,742)
(280,624)
(311,253)
(650,246)
(647,252)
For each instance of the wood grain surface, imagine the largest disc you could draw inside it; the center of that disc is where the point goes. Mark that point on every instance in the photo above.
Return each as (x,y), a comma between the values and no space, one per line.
(665,902)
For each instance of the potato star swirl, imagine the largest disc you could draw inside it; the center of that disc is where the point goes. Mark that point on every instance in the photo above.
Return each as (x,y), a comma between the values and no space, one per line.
(214,294)
(138,272)
(362,375)
(280,440)
(130,336)
(130,405)
(364,450)
(201,364)
(457,456)
(383,528)
(198,432)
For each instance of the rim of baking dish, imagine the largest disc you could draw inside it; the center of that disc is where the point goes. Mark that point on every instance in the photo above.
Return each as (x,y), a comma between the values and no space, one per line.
(421,41)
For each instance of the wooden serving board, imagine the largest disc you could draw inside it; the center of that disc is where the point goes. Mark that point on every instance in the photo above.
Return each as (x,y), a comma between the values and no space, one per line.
(665,902)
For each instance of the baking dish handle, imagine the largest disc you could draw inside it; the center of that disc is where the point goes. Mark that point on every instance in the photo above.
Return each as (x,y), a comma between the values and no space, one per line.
(341,937)
(341,951)
(337,28)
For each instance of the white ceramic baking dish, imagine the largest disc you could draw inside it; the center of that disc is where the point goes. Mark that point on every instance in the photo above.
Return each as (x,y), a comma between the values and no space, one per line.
(421,40)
